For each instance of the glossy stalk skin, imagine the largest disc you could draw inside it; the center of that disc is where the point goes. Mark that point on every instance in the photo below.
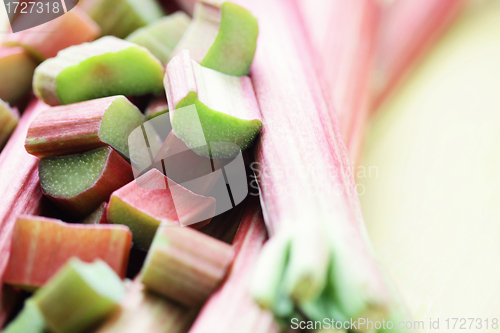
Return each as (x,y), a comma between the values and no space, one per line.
(19,185)
(185,265)
(45,40)
(115,174)
(231,307)
(409,29)
(76,128)
(143,311)
(16,73)
(344,37)
(316,217)
(41,246)
(153,200)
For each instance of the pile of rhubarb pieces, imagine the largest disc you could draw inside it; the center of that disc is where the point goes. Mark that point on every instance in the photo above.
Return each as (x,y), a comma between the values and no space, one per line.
(137,130)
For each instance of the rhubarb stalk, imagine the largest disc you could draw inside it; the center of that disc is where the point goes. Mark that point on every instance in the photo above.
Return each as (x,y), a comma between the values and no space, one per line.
(231,307)
(409,28)
(16,73)
(319,240)
(344,35)
(8,121)
(19,184)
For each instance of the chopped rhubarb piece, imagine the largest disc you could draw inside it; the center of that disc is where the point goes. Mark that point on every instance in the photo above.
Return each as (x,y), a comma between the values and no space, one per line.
(79,296)
(45,40)
(41,246)
(231,307)
(99,216)
(30,319)
(16,73)
(121,17)
(185,265)
(19,184)
(153,200)
(142,311)
(162,36)
(80,183)
(107,67)
(307,189)
(409,29)
(210,108)
(8,121)
(157,107)
(344,36)
(83,126)
(222,37)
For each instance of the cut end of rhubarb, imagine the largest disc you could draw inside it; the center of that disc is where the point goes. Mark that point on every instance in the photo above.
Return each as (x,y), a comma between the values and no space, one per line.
(107,67)
(210,109)
(17,70)
(162,36)
(222,37)
(153,200)
(99,216)
(80,183)
(8,121)
(79,296)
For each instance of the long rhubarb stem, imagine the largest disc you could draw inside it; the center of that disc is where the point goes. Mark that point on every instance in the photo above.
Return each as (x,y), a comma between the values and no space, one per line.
(409,28)
(344,36)
(307,190)
(19,183)
(231,308)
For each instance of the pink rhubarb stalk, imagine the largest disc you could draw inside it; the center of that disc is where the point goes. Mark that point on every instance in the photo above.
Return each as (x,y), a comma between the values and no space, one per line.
(19,185)
(318,237)
(231,308)
(344,36)
(41,246)
(409,28)
(45,40)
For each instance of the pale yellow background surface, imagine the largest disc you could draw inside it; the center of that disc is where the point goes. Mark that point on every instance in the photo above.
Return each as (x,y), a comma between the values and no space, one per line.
(433,212)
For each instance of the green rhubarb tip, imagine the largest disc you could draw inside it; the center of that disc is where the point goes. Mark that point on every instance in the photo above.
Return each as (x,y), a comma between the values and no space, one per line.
(8,121)
(79,296)
(161,37)
(106,67)
(122,17)
(235,30)
(223,134)
(70,175)
(30,319)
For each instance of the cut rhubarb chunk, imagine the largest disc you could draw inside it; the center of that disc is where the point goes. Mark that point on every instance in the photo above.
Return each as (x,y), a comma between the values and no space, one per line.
(222,37)
(84,126)
(19,185)
(142,311)
(8,121)
(208,108)
(185,265)
(41,246)
(231,307)
(16,73)
(107,67)
(153,200)
(45,40)
(99,216)
(80,183)
(79,296)
(162,36)
(121,17)
(30,319)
